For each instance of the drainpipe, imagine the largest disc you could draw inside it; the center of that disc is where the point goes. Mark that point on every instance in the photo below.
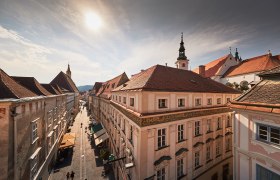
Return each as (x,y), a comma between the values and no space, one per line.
(12,114)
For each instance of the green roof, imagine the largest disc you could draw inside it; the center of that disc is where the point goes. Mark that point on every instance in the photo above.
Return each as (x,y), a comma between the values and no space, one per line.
(96,128)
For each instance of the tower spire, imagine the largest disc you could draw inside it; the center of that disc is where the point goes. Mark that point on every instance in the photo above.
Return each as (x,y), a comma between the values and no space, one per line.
(236,54)
(182,55)
(68,72)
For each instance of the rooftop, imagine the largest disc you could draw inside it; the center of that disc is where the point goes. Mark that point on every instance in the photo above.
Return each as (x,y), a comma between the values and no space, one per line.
(163,78)
(32,84)
(9,88)
(64,81)
(255,64)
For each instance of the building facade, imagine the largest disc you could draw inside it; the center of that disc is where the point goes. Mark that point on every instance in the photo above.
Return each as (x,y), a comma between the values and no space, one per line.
(33,117)
(257,130)
(168,123)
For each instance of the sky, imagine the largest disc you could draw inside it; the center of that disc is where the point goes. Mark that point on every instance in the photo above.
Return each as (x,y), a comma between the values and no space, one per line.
(39,38)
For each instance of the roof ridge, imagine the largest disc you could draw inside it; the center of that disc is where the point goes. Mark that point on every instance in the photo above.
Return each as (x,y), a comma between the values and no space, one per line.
(7,85)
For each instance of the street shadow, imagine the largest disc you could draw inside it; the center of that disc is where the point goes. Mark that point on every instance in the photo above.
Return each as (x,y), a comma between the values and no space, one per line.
(64,159)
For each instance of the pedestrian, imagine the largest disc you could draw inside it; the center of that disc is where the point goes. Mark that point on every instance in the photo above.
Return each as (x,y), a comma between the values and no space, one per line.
(67,175)
(72,175)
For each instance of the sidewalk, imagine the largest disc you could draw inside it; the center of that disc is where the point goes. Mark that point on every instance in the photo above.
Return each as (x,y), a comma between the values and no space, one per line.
(84,162)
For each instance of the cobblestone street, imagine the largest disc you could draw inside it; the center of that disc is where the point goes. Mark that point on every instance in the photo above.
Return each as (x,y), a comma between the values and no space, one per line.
(84,162)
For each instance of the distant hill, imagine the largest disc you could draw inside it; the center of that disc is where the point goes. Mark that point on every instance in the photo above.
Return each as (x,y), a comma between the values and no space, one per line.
(84,88)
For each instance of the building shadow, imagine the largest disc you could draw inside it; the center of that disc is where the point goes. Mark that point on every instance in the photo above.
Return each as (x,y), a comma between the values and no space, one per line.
(64,159)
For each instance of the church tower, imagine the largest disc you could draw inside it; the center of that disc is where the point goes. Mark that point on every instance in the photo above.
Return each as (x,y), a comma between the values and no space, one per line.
(68,72)
(182,61)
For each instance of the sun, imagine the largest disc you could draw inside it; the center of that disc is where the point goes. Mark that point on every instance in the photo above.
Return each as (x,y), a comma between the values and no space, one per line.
(93,21)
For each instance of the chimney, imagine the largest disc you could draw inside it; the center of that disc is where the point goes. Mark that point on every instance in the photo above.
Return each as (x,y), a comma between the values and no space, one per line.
(201,70)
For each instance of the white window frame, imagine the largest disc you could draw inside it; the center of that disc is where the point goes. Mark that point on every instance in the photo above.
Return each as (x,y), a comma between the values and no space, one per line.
(131,101)
(219,101)
(34,160)
(161,138)
(197,104)
(180,133)
(196,159)
(208,152)
(208,125)
(34,130)
(268,136)
(181,102)
(219,123)
(197,128)
(211,102)
(162,103)
(160,174)
(180,167)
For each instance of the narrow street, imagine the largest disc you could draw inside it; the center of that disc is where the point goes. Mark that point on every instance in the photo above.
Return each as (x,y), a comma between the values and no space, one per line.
(84,162)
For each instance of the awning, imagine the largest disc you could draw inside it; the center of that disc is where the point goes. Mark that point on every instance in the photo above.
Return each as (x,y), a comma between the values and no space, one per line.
(101,139)
(96,128)
(99,133)
(69,136)
(67,143)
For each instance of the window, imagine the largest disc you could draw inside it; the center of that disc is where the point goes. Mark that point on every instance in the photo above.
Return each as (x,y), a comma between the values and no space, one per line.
(219,123)
(228,100)
(161,174)
(196,159)
(34,166)
(180,166)
(228,121)
(209,101)
(197,128)
(161,138)
(183,65)
(162,103)
(269,134)
(124,126)
(198,102)
(131,134)
(181,102)
(208,125)
(131,103)
(228,144)
(36,106)
(124,100)
(208,153)
(120,99)
(34,131)
(219,101)
(263,173)
(218,148)
(180,132)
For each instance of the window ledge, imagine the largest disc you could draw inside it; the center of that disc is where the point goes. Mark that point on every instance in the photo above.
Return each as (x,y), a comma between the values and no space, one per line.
(209,132)
(181,141)
(269,147)
(208,161)
(228,150)
(163,147)
(218,155)
(197,167)
(36,139)
(181,177)
(198,135)
(219,129)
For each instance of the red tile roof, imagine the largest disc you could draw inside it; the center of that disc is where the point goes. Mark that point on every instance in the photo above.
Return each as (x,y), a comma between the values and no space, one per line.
(212,68)
(253,65)
(32,84)
(108,86)
(9,88)
(65,82)
(96,87)
(162,78)
(51,89)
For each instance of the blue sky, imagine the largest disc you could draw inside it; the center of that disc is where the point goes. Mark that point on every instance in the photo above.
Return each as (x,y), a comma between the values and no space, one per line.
(39,37)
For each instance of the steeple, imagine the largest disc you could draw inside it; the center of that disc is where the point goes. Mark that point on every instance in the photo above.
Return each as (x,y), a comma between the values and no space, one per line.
(236,54)
(68,72)
(182,55)
(182,61)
